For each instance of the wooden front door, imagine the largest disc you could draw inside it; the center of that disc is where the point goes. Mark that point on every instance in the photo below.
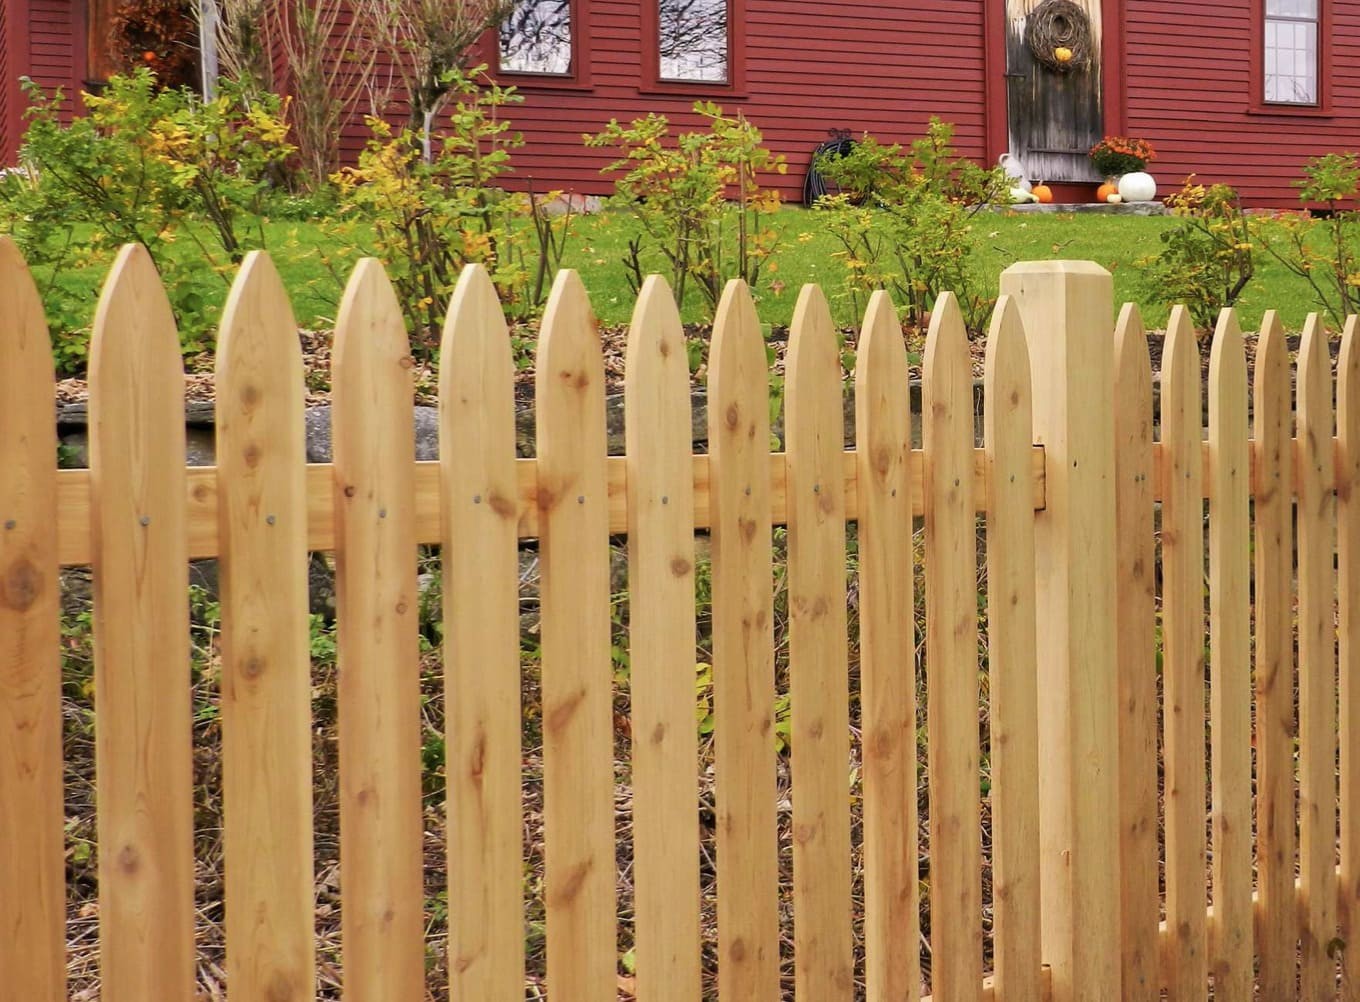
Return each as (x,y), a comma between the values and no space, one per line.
(1053,117)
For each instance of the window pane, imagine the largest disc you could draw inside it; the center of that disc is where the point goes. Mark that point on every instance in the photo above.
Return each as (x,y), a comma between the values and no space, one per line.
(693,38)
(1292,8)
(536,37)
(1291,62)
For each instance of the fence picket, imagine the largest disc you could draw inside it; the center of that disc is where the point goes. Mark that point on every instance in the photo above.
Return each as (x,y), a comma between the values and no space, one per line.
(266,669)
(951,660)
(578,727)
(1348,648)
(743,653)
(1277,929)
(824,962)
(1012,661)
(661,618)
(377,610)
(1183,671)
(1229,487)
(480,563)
(141,613)
(1317,664)
(892,920)
(32,868)
(1139,854)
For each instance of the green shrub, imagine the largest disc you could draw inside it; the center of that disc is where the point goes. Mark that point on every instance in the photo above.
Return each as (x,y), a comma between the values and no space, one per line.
(1324,252)
(1208,259)
(144,165)
(429,218)
(677,190)
(904,220)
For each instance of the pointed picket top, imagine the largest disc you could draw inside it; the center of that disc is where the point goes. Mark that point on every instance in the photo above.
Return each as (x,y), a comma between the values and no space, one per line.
(946,341)
(738,349)
(481,644)
(369,323)
(259,334)
(475,356)
(814,358)
(656,339)
(32,868)
(134,319)
(1131,354)
(1182,346)
(570,364)
(1227,354)
(881,355)
(1006,365)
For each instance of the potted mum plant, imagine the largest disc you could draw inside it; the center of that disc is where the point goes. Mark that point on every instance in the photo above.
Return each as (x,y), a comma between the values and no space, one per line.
(1123,161)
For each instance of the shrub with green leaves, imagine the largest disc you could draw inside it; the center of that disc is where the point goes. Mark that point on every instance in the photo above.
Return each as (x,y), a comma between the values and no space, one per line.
(143,165)
(1324,252)
(696,199)
(904,220)
(429,218)
(1209,259)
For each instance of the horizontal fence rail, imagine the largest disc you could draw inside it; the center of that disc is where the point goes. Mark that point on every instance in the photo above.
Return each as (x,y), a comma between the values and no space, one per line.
(1018,678)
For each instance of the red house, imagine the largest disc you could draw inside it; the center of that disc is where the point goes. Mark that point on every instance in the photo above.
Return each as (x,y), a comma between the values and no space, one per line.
(1242,91)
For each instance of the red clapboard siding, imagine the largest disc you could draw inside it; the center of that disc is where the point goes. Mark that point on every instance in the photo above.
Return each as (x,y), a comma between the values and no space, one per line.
(1189,86)
(809,67)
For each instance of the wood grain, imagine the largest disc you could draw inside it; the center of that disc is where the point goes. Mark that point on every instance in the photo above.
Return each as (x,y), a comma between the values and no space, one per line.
(661,613)
(266,668)
(143,752)
(1183,664)
(1316,515)
(480,563)
(743,654)
(578,728)
(892,920)
(1012,659)
(951,661)
(32,867)
(1139,853)
(1231,955)
(818,673)
(377,609)
(1277,928)
(1348,649)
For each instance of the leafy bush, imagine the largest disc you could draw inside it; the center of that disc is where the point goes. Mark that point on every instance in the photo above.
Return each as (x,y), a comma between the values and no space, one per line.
(1208,259)
(1324,252)
(912,232)
(430,218)
(677,188)
(145,165)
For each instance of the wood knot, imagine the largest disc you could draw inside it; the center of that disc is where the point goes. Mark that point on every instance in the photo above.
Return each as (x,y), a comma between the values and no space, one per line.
(250,396)
(129,859)
(732,416)
(680,567)
(253,667)
(21,586)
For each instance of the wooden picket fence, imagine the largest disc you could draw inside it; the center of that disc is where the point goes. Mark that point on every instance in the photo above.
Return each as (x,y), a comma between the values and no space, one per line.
(1080,507)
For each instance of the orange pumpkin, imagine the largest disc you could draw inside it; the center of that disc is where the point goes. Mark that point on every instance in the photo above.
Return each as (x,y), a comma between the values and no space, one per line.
(1042,192)
(1107,189)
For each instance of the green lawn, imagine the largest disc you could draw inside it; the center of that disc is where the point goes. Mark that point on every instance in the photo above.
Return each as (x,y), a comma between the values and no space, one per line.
(310,262)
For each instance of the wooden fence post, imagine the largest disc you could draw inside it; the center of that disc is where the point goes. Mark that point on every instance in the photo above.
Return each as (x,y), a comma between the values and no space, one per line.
(1067,308)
